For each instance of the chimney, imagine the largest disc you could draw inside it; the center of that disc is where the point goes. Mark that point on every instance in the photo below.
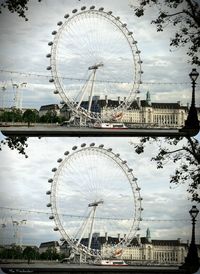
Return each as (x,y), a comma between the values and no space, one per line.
(124,98)
(138,101)
(138,239)
(106,99)
(118,235)
(106,236)
(118,100)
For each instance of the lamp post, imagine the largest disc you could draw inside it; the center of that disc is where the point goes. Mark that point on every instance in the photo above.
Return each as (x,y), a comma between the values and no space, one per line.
(192,121)
(192,264)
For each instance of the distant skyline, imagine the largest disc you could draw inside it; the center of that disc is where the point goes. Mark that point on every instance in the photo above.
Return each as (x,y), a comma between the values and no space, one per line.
(24,181)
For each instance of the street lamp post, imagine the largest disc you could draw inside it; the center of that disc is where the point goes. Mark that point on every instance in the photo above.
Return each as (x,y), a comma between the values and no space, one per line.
(192,263)
(192,121)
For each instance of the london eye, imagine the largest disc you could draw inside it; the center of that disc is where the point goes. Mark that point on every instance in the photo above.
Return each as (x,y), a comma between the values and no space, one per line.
(94,192)
(94,55)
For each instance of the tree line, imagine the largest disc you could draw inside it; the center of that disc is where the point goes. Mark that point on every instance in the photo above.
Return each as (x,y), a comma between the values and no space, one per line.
(29,253)
(30,116)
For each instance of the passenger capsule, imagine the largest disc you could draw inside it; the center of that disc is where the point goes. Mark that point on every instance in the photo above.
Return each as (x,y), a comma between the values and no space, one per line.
(130,170)
(92,144)
(59,23)
(124,162)
(66,16)
(130,33)
(83,8)
(92,7)
(62,239)
(140,199)
(138,51)
(117,155)
(62,102)
(74,148)
(54,32)
(109,149)
(49,205)
(55,92)
(74,11)
(54,169)
(117,18)
(139,82)
(48,55)
(101,9)
(50,43)
(49,68)
(51,80)
(51,217)
(141,209)
(56,229)
(83,145)
(109,12)
(141,71)
(138,189)
(134,180)
(59,160)
(140,62)
(66,153)
(134,42)
(139,219)
(101,146)
(124,25)
(48,192)
(50,181)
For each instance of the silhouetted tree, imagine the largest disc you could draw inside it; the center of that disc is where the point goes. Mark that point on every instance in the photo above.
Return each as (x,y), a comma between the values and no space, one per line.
(183,16)
(15,142)
(185,152)
(18,6)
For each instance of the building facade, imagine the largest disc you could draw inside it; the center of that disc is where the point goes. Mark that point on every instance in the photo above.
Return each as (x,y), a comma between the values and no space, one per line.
(139,113)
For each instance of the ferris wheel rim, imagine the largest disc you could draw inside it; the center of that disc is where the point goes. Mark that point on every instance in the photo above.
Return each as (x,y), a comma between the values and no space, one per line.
(53,200)
(131,42)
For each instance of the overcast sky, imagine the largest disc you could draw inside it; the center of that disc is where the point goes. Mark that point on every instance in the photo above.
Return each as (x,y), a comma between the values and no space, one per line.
(24,181)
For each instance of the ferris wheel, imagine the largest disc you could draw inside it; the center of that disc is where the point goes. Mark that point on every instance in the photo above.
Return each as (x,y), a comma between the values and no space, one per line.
(94,195)
(94,55)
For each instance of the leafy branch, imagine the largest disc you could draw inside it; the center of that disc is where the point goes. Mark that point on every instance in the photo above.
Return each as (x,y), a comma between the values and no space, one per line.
(185,153)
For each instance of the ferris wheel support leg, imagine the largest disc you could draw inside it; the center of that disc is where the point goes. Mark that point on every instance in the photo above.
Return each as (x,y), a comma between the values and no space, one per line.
(91,91)
(92,227)
(84,228)
(83,92)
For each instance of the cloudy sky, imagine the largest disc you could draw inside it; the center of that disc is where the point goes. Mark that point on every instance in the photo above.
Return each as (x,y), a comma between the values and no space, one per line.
(24,181)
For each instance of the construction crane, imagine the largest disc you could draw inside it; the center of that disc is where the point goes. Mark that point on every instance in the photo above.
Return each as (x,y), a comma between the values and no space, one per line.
(17,230)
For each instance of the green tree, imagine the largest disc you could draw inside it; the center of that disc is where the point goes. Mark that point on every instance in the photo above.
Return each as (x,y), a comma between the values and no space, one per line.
(183,15)
(50,254)
(29,116)
(30,253)
(185,152)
